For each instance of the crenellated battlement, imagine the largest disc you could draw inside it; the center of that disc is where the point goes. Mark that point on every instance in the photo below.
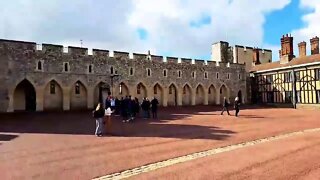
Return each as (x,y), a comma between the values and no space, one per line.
(54,49)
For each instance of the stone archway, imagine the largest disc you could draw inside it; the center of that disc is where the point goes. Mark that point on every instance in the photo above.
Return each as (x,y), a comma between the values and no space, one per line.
(186,95)
(199,95)
(224,92)
(24,98)
(78,96)
(212,94)
(123,90)
(53,96)
(158,93)
(172,96)
(101,92)
(141,91)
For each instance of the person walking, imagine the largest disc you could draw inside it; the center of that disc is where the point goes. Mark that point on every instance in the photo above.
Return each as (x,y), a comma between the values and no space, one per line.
(154,107)
(225,106)
(98,114)
(108,113)
(237,106)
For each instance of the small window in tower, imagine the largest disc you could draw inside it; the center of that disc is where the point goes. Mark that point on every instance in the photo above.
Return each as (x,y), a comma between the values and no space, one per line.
(39,66)
(149,72)
(111,70)
(193,74)
(77,88)
(52,87)
(90,68)
(179,74)
(131,71)
(228,76)
(217,75)
(66,67)
(239,76)
(206,75)
(165,73)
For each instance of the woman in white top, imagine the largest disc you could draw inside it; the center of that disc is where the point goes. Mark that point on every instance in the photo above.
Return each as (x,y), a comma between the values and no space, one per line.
(108,113)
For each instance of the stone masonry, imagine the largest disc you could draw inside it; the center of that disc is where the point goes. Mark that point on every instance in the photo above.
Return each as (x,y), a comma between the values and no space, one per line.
(70,80)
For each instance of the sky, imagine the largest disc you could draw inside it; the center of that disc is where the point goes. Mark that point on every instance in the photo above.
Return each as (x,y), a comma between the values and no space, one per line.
(179,28)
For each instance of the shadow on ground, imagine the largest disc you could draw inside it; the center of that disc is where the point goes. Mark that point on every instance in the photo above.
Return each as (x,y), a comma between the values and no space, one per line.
(82,123)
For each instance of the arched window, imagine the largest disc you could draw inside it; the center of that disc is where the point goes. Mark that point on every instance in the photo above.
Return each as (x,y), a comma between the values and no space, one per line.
(77,88)
(39,66)
(165,73)
(111,70)
(66,67)
(184,90)
(209,91)
(206,75)
(90,68)
(138,89)
(52,87)
(131,71)
(170,90)
(155,90)
(149,72)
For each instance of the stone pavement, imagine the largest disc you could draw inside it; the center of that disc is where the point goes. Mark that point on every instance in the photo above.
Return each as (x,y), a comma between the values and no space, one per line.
(61,145)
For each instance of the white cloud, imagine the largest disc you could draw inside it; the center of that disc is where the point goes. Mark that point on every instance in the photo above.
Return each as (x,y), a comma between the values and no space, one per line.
(112,24)
(312,24)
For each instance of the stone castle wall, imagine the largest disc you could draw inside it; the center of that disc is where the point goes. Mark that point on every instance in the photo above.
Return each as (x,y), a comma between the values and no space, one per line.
(19,61)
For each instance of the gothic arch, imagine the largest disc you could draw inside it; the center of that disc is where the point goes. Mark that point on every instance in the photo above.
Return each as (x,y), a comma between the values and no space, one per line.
(158,92)
(123,90)
(53,96)
(200,96)
(141,91)
(78,96)
(224,92)
(172,95)
(186,95)
(101,92)
(24,96)
(212,95)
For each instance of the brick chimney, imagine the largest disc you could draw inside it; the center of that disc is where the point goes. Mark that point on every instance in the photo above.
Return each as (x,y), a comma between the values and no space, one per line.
(302,49)
(286,49)
(314,42)
(256,59)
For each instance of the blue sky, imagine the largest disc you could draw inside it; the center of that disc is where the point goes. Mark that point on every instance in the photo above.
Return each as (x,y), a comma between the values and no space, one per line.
(180,28)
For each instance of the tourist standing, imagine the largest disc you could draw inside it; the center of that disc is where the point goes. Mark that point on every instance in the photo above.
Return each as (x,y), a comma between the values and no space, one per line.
(154,107)
(144,108)
(225,106)
(124,109)
(98,114)
(112,103)
(237,106)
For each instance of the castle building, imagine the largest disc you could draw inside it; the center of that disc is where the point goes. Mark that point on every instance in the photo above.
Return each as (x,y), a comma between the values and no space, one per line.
(51,77)
(291,80)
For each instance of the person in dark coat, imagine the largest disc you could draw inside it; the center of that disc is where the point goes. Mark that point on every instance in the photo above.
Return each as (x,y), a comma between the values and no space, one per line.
(124,109)
(117,102)
(144,108)
(225,106)
(148,104)
(154,107)
(137,106)
(237,106)
(98,114)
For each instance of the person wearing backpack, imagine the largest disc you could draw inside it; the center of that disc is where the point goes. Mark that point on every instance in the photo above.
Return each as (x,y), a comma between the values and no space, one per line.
(98,114)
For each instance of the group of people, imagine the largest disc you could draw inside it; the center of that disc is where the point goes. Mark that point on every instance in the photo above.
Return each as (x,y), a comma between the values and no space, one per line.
(226,106)
(127,107)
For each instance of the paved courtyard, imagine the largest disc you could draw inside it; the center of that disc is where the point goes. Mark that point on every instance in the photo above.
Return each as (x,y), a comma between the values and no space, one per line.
(61,145)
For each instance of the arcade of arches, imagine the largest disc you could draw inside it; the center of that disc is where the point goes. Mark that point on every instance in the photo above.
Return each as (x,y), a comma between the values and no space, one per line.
(53,96)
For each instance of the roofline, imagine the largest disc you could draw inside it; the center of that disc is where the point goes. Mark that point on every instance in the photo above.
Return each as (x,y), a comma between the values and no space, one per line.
(287,67)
